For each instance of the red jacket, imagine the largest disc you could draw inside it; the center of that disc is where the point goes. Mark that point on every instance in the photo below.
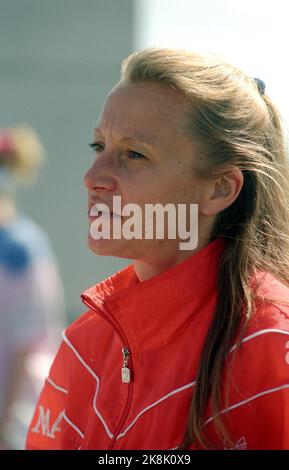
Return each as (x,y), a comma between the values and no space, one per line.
(154,330)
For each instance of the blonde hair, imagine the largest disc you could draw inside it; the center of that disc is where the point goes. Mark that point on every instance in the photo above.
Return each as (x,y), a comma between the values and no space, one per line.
(21,153)
(231,123)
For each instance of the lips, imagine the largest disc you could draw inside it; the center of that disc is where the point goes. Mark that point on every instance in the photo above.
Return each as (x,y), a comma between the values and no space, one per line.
(97,209)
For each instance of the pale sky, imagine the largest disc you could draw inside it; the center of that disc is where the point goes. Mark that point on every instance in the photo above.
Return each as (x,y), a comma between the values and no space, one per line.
(252,34)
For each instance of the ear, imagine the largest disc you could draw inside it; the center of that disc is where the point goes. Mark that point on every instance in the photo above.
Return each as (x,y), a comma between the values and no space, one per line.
(222,192)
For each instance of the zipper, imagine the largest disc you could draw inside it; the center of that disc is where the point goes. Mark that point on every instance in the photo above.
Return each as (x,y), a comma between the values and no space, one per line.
(126,369)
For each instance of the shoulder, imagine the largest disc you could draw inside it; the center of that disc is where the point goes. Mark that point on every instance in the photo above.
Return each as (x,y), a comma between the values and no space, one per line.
(88,335)
(84,326)
(271,307)
(260,362)
(269,325)
(74,347)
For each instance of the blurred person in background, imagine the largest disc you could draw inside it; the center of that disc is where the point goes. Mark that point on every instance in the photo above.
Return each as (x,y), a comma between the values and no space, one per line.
(31,292)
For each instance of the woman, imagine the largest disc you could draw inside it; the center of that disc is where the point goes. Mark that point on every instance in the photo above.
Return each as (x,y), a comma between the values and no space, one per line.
(31,294)
(184,348)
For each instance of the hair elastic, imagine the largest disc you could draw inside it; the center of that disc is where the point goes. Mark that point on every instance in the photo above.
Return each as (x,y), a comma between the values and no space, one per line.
(261,86)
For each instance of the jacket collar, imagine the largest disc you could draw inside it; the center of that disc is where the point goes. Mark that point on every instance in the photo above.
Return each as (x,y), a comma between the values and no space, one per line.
(151,313)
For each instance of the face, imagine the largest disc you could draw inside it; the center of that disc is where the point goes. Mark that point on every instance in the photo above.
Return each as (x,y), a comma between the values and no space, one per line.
(143,155)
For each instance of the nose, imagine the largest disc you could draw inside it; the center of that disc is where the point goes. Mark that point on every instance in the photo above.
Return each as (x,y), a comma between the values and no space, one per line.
(100,176)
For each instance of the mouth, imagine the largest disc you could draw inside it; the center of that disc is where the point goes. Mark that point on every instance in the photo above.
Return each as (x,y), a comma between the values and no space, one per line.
(100,210)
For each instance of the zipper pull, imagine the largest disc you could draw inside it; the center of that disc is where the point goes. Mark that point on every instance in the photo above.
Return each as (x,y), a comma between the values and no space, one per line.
(125,371)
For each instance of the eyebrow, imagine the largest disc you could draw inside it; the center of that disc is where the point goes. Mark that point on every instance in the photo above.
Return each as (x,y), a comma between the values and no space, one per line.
(132,139)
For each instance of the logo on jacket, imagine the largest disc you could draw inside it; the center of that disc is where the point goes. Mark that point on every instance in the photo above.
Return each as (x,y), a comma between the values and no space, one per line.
(240,445)
(43,424)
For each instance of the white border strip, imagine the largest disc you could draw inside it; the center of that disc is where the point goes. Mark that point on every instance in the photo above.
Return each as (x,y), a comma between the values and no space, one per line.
(174,392)
(61,389)
(244,402)
(96,378)
(73,425)
(259,333)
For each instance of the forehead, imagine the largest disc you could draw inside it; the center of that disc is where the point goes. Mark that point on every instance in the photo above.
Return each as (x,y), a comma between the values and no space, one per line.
(148,105)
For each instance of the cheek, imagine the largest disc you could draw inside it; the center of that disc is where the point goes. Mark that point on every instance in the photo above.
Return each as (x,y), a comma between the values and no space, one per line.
(145,189)
(183,189)
(187,186)
(161,184)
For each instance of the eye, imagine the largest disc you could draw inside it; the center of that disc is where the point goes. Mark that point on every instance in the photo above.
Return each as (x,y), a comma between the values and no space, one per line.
(97,147)
(136,155)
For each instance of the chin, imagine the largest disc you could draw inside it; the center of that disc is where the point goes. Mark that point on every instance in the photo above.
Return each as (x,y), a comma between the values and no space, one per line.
(108,247)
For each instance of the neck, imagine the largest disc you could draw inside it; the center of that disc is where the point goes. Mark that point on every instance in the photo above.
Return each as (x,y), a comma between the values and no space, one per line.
(146,269)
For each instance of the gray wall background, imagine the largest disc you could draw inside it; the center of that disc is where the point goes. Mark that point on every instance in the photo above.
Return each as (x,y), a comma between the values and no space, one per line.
(58,60)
